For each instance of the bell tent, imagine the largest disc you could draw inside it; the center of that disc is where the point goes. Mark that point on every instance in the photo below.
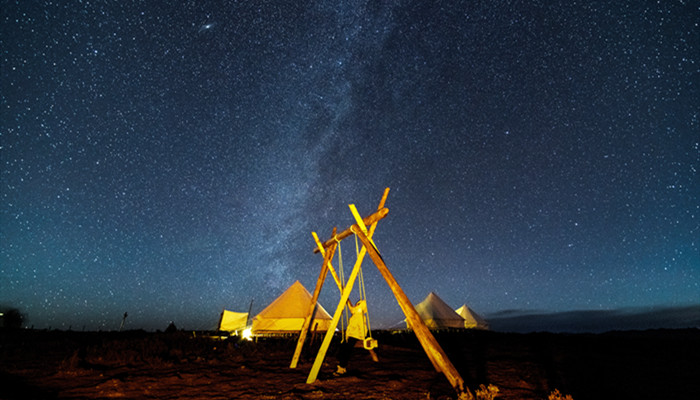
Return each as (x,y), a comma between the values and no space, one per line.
(437,314)
(472,320)
(287,313)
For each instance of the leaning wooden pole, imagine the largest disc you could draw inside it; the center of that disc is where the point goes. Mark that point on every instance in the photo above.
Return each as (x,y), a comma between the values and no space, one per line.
(427,340)
(327,262)
(327,266)
(312,307)
(316,367)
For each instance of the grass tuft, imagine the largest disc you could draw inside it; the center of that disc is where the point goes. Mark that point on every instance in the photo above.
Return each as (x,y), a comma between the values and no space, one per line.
(556,395)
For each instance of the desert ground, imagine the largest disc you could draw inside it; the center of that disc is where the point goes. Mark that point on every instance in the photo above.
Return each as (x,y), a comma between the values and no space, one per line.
(658,364)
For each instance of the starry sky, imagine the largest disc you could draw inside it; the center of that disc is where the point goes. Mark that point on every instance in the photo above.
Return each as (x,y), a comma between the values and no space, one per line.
(170,159)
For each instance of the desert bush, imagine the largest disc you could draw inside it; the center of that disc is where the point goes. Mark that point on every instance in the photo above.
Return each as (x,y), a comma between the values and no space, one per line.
(151,350)
(556,395)
(159,350)
(70,364)
(486,392)
(11,318)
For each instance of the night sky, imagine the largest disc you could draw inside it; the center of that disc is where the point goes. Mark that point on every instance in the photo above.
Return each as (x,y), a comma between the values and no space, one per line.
(169,160)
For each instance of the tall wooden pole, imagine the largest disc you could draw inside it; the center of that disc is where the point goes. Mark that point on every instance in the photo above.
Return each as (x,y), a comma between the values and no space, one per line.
(312,307)
(427,340)
(250,308)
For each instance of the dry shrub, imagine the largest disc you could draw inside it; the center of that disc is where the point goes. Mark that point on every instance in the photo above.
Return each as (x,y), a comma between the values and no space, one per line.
(159,350)
(486,392)
(70,365)
(556,395)
(132,351)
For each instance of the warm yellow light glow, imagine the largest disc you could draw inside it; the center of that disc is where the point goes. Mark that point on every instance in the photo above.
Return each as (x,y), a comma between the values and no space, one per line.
(247,334)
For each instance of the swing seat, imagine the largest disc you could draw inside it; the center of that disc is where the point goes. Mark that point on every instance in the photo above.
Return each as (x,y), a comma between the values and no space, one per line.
(370,343)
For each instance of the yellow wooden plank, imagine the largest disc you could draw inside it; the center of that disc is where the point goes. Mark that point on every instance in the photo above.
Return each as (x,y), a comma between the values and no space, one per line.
(328,264)
(369,220)
(312,307)
(313,374)
(427,340)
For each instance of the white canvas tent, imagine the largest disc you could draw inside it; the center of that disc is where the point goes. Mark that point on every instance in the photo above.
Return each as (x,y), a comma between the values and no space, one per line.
(286,314)
(437,314)
(472,320)
(232,321)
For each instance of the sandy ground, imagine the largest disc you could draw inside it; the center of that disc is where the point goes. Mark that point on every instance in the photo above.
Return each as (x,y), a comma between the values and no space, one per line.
(140,365)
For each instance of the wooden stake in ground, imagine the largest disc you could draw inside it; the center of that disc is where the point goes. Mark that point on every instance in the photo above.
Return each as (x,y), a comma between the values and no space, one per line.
(123,320)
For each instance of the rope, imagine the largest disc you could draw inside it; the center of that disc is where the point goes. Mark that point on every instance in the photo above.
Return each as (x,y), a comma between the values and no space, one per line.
(363,293)
(343,321)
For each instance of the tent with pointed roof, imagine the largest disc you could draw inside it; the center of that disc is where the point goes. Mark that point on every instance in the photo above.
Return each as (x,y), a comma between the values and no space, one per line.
(437,314)
(287,313)
(472,320)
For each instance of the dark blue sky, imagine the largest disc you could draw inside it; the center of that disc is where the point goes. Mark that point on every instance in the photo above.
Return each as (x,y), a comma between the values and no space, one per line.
(170,160)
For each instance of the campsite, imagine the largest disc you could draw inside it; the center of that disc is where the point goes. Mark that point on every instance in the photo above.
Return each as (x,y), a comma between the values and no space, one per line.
(41,364)
(267,362)
(295,349)
(267,356)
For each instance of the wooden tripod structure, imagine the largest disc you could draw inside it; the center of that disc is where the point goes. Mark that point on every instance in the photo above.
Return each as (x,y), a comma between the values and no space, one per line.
(432,349)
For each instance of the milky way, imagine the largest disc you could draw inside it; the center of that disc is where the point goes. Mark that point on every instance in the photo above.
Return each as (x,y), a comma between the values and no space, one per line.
(171,160)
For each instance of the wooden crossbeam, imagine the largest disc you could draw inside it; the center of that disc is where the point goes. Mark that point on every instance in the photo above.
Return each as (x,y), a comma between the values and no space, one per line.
(369,220)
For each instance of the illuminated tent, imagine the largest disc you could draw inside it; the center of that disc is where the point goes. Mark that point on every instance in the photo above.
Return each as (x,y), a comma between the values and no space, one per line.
(437,314)
(232,321)
(472,320)
(286,314)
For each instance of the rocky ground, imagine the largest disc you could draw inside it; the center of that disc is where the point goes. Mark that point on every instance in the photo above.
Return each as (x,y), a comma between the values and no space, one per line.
(141,365)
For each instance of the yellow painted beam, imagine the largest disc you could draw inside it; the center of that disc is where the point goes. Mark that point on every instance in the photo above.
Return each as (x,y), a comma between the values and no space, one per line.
(327,256)
(328,263)
(427,340)
(313,374)
(369,220)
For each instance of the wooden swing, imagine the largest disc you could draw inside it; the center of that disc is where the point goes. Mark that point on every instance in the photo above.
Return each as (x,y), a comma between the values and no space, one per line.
(368,343)
(437,356)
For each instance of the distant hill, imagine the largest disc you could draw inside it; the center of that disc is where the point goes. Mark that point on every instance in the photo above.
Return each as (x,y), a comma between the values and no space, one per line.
(596,321)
